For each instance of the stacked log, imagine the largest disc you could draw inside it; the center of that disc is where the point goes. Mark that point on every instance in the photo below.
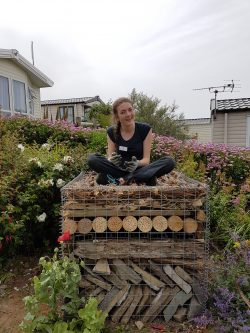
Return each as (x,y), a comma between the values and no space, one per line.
(130,223)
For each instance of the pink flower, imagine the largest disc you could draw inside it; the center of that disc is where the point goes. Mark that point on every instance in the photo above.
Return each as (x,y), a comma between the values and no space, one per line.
(236,201)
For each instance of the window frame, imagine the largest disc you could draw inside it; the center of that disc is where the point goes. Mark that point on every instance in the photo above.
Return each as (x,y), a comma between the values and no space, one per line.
(25,97)
(65,108)
(9,95)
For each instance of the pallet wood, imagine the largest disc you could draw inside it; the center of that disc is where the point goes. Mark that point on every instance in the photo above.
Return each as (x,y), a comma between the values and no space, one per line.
(161,299)
(148,278)
(133,305)
(193,264)
(195,308)
(190,225)
(115,280)
(146,295)
(99,224)
(180,314)
(177,279)
(119,311)
(198,291)
(100,297)
(125,272)
(175,223)
(114,223)
(145,224)
(102,267)
(160,223)
(183,274)
(84,226)
(171,294)
(168,250)
(98,282)
(129,223)
(179,299)
(111,298)
(119,212)
(157,270)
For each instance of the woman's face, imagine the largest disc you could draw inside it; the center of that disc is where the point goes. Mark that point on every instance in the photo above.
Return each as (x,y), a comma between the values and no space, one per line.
(125,113)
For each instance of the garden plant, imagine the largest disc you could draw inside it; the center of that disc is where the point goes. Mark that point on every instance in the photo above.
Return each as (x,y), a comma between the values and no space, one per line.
(38,157)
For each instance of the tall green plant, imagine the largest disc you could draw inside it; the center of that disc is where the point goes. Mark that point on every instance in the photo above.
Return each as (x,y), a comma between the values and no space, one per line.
(55,305)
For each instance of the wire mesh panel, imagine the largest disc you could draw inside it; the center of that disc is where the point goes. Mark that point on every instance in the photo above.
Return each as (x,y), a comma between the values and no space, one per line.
(145,248)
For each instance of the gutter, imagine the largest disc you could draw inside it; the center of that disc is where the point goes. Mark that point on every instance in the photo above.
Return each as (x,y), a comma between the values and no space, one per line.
(15,55)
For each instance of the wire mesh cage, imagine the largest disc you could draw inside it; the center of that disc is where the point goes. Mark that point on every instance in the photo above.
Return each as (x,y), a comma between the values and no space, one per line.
(145,248)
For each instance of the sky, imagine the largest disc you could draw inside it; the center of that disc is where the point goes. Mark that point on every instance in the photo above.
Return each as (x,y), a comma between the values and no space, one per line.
(163,48)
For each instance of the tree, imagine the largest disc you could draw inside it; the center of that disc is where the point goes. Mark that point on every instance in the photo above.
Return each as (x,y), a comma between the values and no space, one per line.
(101,114)
(163,119)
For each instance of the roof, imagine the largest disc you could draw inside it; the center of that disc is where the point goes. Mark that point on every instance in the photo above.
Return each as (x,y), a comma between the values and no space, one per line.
(225,105)
(39,78)
(197,121)
(84,100)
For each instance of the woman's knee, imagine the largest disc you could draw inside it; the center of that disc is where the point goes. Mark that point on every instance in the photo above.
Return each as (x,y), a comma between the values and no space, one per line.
(169,163)
(91,160)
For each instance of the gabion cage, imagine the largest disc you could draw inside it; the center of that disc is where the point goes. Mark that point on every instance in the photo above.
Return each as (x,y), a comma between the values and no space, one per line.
(145,248)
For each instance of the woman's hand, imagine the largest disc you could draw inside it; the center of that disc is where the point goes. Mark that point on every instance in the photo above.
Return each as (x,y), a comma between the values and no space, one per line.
(116,159)
(132,165)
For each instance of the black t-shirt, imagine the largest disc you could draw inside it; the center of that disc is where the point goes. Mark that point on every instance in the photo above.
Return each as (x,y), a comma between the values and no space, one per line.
(133,146)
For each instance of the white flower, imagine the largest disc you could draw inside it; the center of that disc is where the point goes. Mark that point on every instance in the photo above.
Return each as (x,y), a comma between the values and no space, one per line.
(58,166)
(36,161)
(42,217)
(46,146)
(46,182)
(21,147)
(60,182)
(68,159)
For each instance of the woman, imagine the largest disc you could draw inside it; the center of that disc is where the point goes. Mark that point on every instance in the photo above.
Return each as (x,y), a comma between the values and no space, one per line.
(129,147)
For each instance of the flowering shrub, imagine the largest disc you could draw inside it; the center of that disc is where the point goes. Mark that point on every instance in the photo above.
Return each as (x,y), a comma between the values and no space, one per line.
(230,291)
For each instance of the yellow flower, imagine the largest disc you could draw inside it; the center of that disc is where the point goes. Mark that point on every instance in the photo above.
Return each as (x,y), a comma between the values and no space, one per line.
(236,245)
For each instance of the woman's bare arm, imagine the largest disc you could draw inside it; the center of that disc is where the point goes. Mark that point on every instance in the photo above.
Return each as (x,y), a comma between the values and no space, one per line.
(111,147)
(147,143)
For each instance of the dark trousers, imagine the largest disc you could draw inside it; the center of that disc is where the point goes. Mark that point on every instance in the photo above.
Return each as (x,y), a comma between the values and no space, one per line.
(145,174)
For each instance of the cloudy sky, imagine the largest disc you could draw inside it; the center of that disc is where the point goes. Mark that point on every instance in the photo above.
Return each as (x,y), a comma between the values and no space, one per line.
(164,48)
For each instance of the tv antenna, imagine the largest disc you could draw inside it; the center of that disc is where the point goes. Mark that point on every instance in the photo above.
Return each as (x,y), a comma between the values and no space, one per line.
(228,87)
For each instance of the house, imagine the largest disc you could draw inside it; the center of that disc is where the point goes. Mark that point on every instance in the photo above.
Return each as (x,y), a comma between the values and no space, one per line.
(199,129)
(230,121)
(20,84)
(74,110)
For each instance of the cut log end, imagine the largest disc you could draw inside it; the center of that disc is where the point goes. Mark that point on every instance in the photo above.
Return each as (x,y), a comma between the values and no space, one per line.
(145,224)
(114,223)
(160,223)
(69,225)
(84,226)
(175,223)
(100,224)
(130,223)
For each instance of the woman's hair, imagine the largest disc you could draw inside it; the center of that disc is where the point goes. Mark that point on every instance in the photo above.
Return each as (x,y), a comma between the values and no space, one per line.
(115,105)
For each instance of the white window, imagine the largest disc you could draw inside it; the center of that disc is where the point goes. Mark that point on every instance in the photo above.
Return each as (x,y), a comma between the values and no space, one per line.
(66,113)
(19,96)
(4,93)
